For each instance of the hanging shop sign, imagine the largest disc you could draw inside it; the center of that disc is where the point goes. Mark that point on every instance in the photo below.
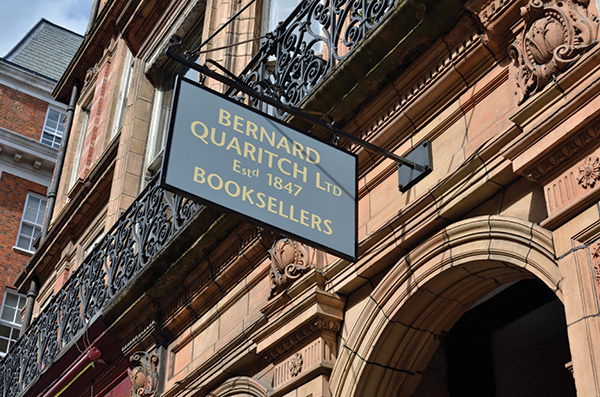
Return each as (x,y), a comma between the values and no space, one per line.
(232,157)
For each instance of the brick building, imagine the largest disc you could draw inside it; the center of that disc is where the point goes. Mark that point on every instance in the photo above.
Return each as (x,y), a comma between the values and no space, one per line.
(31,124)
(479,278)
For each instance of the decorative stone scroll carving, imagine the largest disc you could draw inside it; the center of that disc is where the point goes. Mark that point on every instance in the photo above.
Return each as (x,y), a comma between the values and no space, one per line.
(290,259)
(143,372)
(90,76)
(556,33)
(589,172)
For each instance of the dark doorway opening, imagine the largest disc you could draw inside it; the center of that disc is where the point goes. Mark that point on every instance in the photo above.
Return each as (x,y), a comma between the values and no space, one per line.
(512,344)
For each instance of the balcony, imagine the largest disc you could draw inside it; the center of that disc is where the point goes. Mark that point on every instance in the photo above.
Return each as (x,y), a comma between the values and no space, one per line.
(329,57)
(315,38)
(141,232)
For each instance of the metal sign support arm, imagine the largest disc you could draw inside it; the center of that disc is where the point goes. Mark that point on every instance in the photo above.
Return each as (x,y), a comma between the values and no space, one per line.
(178,42)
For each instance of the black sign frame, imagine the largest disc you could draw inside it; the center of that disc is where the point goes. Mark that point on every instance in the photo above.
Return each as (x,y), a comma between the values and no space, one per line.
(350,256)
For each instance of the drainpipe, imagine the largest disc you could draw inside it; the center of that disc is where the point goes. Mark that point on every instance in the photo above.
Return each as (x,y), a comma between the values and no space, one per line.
(90,357)
(35,282)
(60,160)
(31,295)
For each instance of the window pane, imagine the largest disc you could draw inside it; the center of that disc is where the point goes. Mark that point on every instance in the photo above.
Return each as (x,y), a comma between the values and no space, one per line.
(24,242)
(8,314)
(50,125)
(21,303)
(27,230)
(11,300)
(4,331)
(33,202)
(30,216)
(3,345)
(15,334)
(53,115)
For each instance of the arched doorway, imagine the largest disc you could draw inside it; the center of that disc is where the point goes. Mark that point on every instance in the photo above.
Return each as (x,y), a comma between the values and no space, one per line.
(409,313)
(511,343)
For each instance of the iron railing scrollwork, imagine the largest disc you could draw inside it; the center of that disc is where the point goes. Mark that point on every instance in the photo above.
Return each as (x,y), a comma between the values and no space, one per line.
(141,231)
(308,44)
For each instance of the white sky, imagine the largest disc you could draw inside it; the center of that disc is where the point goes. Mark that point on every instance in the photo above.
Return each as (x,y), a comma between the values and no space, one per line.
(17,17)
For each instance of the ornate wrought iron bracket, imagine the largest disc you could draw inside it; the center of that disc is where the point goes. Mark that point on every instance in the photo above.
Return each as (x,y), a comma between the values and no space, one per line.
(417,170)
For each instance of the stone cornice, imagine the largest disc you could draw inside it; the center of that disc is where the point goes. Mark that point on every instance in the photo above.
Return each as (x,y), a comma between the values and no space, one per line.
(565,153)
(26,157)
(27,82)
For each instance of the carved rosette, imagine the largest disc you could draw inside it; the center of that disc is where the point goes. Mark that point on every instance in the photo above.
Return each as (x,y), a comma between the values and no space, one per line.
(143,372)
(290,259)
(296,363)
(556,33)
(589,172)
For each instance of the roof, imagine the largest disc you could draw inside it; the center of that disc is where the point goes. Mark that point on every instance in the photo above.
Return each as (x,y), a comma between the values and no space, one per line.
(46,50)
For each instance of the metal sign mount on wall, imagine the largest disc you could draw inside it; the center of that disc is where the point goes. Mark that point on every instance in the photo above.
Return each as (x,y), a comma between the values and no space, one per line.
(410,169)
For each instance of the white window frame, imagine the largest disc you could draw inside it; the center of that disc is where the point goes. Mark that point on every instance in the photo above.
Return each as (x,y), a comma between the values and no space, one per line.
(123,94)
(157,131)
(85,114)
(51,136)
(31,223)
(15,323)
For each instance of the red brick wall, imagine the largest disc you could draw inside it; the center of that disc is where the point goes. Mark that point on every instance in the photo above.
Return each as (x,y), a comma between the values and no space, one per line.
(22,113)
(87,153)
(13,193)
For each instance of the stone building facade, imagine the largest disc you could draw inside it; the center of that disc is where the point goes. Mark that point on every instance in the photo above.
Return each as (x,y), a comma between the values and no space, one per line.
(480,279)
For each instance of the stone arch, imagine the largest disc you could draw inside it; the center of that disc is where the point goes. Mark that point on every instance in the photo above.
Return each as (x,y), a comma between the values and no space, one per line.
(241,386)
(427,291)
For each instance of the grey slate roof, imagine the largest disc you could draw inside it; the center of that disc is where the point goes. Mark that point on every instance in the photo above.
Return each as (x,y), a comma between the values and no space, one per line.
(46,50)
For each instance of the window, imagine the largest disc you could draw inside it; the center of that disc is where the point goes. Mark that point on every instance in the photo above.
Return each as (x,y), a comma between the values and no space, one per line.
(31,222)
(85,118)
(10,320)
(123,93)
(53,128)
(161,108)
(275,11)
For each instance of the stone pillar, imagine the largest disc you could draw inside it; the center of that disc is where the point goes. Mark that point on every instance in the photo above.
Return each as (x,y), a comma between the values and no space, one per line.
(583,319)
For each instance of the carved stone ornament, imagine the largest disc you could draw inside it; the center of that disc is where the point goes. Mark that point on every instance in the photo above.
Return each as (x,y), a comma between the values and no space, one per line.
(290,259)
(556,33)
(595,253)
(143,372)
(296,363)
(589,172)
(90,75)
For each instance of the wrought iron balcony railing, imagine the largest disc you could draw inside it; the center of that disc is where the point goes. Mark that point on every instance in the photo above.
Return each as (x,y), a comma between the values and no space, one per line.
(308,44)
(141,231)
